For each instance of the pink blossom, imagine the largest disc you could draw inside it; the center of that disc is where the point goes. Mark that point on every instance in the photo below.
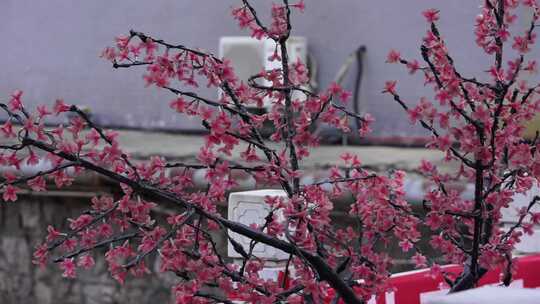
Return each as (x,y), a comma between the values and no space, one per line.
(68,267)
(413,66)
(419,260)
(86,261)
(334,89)
(435,271)
(40,255)
(69,244)
(15,103)
(431,15)
(60,107)
(535,217)
(10,193)
(393,57)
(530,3)
(301,6)
(37,184)
(523,43)
(53,234)
(43,111)
(390,87)
(405,245)
(531,67)
(80,222)
(426,167)
(105,230)
(7,129)
(108,53)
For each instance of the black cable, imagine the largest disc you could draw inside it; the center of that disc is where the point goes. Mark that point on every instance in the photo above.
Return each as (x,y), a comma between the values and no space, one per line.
(359,73)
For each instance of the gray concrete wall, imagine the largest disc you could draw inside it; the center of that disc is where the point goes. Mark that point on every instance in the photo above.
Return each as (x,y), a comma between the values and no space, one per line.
(23,226)
(50,49)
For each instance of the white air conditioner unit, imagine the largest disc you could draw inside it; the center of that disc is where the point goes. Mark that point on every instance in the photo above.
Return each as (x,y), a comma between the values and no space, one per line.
(249,207)
(249,56)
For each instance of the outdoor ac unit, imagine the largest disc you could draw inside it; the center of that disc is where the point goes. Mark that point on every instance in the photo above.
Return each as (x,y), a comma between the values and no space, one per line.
(249,56)
(249,207)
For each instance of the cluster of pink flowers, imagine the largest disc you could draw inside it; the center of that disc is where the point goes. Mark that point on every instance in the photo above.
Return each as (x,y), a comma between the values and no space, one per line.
(480,126)
(184,244)
(476,124)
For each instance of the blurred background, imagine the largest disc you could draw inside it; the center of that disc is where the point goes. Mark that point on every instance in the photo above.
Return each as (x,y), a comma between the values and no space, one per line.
(50,50)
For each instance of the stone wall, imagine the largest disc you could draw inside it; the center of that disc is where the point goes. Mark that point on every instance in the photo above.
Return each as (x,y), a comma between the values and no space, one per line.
(23,226)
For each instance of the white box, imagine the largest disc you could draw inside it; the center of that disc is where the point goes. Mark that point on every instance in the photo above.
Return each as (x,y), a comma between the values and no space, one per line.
(249,56)
(249,207)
